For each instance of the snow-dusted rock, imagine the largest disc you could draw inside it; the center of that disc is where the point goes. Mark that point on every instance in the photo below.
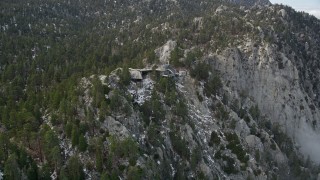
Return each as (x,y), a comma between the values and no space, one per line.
(141,92)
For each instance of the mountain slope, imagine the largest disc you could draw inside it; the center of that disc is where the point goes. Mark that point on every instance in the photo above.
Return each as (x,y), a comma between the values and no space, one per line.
(251,2)
(85,92)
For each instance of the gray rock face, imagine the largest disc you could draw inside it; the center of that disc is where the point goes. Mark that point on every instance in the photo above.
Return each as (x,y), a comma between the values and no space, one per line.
(242,128)
(164,51)
(279,157)
(283,13)
(254,142)
(115,128)
(273,81)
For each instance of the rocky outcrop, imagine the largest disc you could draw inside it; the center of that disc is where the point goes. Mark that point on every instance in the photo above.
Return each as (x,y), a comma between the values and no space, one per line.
(198,22)
(164,51)
(115,128)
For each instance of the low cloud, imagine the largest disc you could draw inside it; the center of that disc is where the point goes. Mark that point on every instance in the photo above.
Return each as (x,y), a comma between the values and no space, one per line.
(314,12)
(308,140)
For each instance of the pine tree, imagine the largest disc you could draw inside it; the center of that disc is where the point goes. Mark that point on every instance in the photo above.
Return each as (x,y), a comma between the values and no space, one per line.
(125,77)
(82,143)
(68,129)
(75,136)
(75,170)
(11,168)
(99,157)
(55,156)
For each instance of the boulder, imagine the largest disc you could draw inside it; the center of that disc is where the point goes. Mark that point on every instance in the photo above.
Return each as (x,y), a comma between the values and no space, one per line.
(115,128)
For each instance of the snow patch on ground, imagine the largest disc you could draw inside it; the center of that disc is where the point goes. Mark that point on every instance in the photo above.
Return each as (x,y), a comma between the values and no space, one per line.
(66,146)
(173,170)
(142,92)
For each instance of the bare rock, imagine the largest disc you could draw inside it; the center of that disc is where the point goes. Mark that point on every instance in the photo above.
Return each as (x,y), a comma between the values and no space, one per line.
(283,13)
(198,22)
(280,157)
(206,170)
(164,52)
(221,9)
(254,142)
(115,128)
(242,128)
(272,79)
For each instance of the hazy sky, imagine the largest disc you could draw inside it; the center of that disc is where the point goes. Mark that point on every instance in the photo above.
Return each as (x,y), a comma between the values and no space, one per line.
(310,6)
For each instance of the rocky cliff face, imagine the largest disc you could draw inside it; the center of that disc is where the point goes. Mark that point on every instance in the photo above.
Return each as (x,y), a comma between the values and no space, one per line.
(272,80)
(281,81)
(211,135)
(239,129)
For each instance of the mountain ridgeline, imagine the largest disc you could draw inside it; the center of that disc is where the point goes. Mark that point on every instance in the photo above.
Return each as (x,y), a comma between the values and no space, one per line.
(153,89)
